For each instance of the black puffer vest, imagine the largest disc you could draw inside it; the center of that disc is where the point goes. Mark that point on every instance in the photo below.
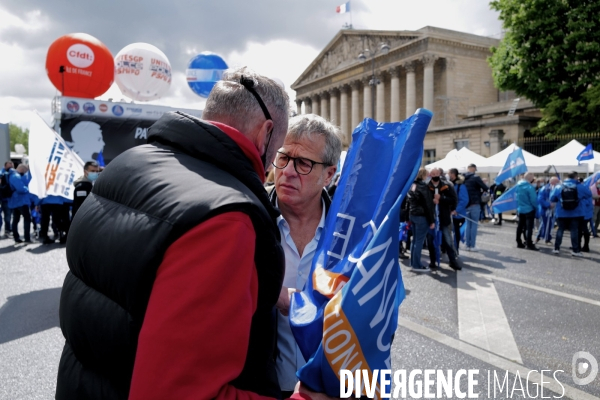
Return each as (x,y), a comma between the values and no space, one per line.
(145,200)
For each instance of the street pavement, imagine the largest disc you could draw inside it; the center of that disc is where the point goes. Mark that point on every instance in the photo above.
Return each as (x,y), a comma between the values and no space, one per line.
(509,310)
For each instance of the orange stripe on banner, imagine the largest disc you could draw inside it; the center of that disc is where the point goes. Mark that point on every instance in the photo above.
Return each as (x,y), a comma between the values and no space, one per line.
(340,344)
(52,177)
(328,283)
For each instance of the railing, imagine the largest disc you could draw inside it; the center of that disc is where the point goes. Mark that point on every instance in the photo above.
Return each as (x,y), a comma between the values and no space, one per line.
(540,146)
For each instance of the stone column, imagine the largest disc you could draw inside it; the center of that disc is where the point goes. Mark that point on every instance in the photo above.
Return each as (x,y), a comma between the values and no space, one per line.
(334,106)
(344,114)
(428,62)
(308,105)
(324,105)
(367,99)
(411,89)
(355,120)
(395,96)
(298,106)
(315,104)
(496,137)
(380,103)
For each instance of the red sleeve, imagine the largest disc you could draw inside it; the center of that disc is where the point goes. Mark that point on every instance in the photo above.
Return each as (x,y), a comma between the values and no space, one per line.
(195,334)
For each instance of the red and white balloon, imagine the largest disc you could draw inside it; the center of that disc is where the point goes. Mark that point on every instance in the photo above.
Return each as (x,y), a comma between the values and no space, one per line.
(142,72)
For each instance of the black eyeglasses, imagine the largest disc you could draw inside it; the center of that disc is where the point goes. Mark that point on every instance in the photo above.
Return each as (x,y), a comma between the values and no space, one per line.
(302,165)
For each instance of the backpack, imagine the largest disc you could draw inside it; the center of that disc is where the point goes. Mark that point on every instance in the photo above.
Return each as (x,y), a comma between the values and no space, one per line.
(5,190)
(569,198)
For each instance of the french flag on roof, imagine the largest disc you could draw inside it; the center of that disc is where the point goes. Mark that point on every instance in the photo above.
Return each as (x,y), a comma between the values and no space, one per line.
(344,8)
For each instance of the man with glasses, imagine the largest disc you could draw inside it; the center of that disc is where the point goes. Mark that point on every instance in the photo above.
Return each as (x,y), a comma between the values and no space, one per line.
(304,166)
(176,265)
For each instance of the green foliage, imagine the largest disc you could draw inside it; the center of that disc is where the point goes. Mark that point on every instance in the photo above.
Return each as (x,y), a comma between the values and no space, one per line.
(551,54)
(18,135)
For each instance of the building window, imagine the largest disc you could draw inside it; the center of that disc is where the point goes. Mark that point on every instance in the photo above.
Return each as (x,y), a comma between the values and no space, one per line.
(429,156)
(459,144)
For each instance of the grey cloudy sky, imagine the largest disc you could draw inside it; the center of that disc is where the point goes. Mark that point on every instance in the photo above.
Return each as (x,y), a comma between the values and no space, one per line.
(276,37)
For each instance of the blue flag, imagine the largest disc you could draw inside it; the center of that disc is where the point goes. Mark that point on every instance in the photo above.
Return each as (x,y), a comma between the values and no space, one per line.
(506,202)
(348,311)
(515,165)
(100,160)
(586,154)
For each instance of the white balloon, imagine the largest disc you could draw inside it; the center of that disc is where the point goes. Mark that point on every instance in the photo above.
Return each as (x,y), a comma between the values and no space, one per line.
(142,72)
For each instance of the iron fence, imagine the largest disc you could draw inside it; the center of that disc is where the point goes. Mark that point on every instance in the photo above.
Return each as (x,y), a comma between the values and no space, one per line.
(540,146)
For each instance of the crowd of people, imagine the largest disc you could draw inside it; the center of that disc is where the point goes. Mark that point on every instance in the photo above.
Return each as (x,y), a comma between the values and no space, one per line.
(440,205)
(39,215)
(179,257)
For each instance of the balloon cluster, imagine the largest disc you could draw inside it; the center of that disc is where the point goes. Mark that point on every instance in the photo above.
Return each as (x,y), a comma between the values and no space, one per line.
(79,65)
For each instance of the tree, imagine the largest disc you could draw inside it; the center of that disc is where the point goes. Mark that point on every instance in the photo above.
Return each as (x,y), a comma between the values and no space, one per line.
(18,135)
(551,54)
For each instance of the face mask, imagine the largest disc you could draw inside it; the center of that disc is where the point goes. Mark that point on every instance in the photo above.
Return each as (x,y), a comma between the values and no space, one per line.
(435,178)
(92,176)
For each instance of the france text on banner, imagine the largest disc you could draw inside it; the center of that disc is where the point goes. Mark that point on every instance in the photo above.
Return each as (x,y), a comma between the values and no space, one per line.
(52,164)
(356,286)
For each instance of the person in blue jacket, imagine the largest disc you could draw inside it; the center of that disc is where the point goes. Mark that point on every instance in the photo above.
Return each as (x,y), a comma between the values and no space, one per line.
(19,203)
(458,218)
(570,216)
(526,207)
(546,211)
(587,207)
(4,197)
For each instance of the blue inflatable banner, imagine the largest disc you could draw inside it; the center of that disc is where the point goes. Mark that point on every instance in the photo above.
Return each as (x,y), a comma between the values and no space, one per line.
(348,311)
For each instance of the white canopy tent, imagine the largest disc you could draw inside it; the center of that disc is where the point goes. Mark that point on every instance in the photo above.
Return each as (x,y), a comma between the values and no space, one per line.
(459,159)
(495,163)
(564,159)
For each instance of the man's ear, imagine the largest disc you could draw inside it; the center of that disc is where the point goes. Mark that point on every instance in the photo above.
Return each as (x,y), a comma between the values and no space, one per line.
(262,135)
(330,173)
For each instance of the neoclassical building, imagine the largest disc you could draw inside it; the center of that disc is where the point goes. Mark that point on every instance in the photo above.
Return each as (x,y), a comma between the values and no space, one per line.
(442,70)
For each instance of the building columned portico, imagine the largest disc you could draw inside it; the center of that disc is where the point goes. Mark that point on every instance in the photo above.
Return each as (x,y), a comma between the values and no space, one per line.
(442,70)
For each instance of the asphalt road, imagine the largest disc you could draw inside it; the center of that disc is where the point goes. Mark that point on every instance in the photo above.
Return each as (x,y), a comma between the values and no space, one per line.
(508,310)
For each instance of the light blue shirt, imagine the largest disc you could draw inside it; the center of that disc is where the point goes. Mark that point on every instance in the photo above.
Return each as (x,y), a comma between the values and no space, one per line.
(297,269)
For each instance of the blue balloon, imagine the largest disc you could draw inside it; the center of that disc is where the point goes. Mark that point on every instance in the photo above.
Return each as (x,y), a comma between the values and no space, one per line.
(204,71)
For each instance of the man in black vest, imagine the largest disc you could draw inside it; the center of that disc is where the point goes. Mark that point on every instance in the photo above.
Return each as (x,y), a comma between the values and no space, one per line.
(177,265)
(84,184)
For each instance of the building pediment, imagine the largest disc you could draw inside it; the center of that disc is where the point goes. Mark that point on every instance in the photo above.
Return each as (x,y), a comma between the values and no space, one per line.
(343,51)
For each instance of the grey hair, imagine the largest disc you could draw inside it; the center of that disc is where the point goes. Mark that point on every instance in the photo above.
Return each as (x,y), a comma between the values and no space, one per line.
(307,125)
(231,103)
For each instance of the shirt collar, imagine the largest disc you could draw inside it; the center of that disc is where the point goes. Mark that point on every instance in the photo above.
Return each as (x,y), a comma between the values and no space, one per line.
(246,145)
(281,222)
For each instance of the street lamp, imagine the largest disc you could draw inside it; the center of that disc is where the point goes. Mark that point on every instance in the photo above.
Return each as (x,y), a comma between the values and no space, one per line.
(384,48)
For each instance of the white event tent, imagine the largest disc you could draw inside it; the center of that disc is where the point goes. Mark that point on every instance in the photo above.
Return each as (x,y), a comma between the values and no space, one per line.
(495,163)
(459,159)
(565,159)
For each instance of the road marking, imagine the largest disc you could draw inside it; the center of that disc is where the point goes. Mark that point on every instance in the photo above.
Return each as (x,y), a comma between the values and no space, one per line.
(481,318)
(495,361)
(540,289)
